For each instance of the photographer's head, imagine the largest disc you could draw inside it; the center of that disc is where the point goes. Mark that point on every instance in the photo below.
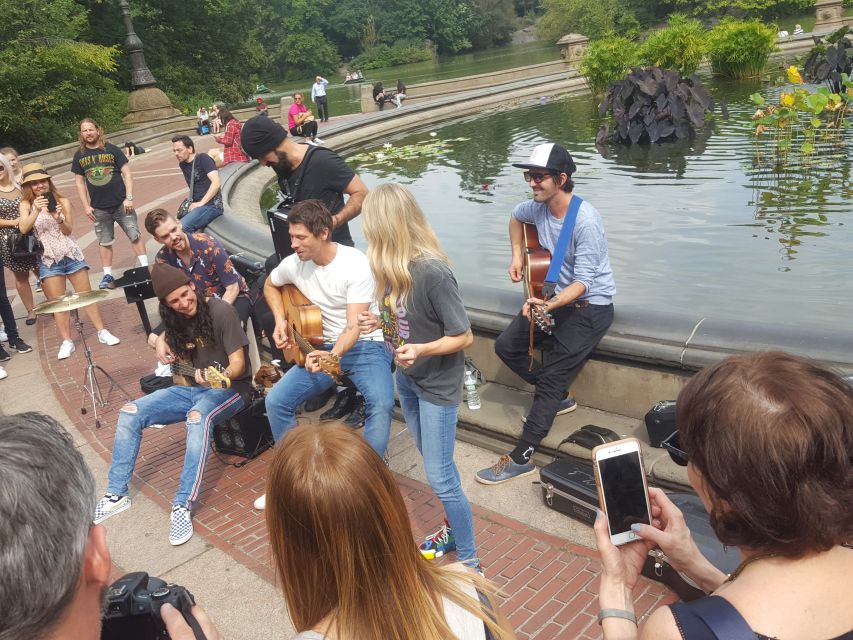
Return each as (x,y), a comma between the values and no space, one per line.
(769,436)
(54,564)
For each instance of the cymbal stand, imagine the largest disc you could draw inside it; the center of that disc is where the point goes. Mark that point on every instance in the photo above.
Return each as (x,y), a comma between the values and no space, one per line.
(91,386)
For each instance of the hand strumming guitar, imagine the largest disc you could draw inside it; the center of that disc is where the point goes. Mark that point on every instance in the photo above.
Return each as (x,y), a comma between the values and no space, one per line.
(280,336)
(516,270)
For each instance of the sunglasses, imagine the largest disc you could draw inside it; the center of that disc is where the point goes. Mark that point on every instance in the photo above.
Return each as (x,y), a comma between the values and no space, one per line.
(536,177)
(673,447)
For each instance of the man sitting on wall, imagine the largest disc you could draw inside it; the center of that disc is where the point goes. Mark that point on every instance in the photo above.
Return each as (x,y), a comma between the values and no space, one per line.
(202,178)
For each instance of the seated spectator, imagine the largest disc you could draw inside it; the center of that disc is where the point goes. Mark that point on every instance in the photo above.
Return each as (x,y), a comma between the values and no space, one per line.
(783,34)
(379,95)
(300,120)
(798,29)
(400,94)
(342,544)
(232,151)
(202,178)
(203,118)
(215,119)
(766,438)
(261,108)
(47,501)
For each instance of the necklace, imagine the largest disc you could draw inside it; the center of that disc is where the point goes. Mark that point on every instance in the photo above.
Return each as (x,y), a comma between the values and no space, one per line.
(743,565)
(9,190)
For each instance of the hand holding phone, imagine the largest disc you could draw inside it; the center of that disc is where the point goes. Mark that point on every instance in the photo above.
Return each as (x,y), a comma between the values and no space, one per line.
(51,201)
(622,489)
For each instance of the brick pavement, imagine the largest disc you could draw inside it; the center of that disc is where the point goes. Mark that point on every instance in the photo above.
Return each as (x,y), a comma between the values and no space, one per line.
(550,584)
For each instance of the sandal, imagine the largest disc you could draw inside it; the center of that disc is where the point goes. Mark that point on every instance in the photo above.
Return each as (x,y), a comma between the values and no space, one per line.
(32,321)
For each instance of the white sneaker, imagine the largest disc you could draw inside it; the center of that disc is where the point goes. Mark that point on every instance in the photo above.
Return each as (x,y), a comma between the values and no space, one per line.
(319,141)
(105,337)
(181,525)
(3,373)
(3,336)
(66,349)
(110,505)
(261,503)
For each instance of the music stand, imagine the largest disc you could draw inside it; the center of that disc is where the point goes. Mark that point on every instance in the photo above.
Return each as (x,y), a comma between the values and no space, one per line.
(137,287)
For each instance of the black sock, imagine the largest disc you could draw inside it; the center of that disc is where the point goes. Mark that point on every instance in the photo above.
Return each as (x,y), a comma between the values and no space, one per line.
(522,453)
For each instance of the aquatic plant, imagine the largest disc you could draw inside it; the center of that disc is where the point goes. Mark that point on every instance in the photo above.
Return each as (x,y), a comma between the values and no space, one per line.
(608,60)
(740,49)
(826,62)
(655,105)
(680,46)
(389,155)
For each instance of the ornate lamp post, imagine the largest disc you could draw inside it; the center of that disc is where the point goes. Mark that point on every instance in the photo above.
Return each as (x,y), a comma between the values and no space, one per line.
(146,102)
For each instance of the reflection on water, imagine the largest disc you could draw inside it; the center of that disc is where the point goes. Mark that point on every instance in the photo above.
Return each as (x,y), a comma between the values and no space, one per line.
(697,229)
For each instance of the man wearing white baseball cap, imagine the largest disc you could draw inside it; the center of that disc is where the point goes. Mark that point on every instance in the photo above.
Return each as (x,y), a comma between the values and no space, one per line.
(576,305)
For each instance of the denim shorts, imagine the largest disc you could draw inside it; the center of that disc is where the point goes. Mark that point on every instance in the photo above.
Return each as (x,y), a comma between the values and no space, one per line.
(64,267)
(105,222)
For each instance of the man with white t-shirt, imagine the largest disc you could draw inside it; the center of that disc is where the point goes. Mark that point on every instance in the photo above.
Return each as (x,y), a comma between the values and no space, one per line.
(337,279)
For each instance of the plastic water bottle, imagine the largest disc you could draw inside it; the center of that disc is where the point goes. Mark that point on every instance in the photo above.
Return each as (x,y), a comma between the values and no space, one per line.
(470,382)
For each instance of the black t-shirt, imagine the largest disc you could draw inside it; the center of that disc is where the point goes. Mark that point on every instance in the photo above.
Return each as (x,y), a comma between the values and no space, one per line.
(204,164)
(229,337)
(325,179)
(102,170)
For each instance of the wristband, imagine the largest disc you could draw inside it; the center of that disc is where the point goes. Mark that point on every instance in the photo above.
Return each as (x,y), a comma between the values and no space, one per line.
(129,198)
(616,613)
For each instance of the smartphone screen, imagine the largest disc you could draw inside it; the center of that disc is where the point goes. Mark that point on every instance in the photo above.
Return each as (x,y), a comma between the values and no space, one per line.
(623,489)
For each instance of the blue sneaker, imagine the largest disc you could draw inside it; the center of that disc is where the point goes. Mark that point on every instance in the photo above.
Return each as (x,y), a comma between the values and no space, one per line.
(567,405)
(504,469)
(437,544)
(106,282)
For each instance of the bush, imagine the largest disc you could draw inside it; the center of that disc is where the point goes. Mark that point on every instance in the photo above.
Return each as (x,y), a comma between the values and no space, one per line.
(382,56)
(681,46)
(593,18)
(740,49)
(608,60)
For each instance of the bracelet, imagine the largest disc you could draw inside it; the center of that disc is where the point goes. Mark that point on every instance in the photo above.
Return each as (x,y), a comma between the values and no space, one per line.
(616,613)
(129,198)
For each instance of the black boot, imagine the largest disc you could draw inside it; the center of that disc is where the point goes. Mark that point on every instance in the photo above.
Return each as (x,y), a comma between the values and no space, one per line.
(319,401)
(344,404)
(358,416)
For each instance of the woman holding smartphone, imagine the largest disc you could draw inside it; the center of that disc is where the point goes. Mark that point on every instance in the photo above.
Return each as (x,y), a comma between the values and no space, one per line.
(48,214)
(426,327)
(766,439)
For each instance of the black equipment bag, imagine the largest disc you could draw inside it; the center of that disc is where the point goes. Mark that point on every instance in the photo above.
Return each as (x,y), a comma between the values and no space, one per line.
(660,422)
(153,382)
(568,486)
(247,434)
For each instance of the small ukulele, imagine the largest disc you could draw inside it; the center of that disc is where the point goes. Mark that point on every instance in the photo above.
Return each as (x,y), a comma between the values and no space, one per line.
(305,332)
(537,259)
(184,375)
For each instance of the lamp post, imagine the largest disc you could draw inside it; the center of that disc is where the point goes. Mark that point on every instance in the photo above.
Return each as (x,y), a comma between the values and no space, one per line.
(146,101)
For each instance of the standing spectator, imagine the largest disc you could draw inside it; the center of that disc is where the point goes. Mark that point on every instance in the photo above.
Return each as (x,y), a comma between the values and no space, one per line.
(62,260)
(215,119)
(10,198)
(318,95)
(12,156)
(300,120)
(200,171)
(233,151)
(105,186)
(261,109)
(203,119)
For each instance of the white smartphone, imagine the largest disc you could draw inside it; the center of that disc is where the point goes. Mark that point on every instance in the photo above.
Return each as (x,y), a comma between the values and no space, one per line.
(622,489)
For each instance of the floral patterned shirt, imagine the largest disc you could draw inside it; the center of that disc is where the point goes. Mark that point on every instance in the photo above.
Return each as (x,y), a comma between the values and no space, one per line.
(211,268)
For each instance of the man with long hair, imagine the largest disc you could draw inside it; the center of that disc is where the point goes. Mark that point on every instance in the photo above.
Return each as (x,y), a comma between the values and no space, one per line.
(201,336)
(579,305)
(337,279)
(105,186)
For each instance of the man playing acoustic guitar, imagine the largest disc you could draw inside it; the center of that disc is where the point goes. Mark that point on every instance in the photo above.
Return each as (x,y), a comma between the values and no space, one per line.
(575,307)
(204,341)
(336,279)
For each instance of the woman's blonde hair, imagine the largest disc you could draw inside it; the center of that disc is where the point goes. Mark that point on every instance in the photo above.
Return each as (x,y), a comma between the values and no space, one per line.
(397,232)
(8,174)
(343,546)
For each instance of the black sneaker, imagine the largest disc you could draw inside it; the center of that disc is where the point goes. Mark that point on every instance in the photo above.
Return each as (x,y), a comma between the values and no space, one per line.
(20,346)
(344,404)
(4,355)
(359,415)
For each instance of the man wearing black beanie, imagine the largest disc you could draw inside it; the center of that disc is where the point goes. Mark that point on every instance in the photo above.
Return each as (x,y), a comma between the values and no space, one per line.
(307,172)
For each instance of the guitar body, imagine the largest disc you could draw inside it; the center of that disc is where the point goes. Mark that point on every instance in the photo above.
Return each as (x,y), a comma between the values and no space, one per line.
(537,260)
(304,319)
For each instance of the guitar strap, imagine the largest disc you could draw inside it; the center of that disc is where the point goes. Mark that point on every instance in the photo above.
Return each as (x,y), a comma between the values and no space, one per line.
(550,285)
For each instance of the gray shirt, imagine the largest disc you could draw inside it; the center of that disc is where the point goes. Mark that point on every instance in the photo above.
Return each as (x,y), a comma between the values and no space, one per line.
(434,310)
(586,260)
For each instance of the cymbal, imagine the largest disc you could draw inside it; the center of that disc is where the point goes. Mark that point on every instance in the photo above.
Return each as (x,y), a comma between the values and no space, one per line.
(69,302)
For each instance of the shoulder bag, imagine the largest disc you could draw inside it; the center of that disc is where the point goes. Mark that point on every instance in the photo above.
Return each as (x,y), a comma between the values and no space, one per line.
(23,245)
(184,208)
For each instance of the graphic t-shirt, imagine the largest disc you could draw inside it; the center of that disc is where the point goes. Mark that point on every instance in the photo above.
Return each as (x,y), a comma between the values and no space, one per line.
(102,170)
(433,310)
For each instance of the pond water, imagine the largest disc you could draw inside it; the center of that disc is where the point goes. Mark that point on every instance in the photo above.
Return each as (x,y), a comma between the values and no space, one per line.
(693,229)
(345,98)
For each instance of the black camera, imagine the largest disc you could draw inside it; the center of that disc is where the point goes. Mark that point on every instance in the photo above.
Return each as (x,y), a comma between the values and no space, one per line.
(280,227)
(133,608)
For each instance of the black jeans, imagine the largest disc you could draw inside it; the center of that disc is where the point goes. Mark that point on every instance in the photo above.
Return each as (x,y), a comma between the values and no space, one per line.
(322,108)
(577,332)
(6,313)
(309,130)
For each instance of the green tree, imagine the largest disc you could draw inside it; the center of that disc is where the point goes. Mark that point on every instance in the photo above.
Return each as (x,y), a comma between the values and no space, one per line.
(592,18)
(766,9)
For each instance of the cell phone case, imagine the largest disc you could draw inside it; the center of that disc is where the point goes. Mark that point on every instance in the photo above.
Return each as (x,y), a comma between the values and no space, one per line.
(598,478)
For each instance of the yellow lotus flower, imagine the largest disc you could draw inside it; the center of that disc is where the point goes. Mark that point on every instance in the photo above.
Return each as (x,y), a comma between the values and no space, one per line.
(794,76)
(786,99)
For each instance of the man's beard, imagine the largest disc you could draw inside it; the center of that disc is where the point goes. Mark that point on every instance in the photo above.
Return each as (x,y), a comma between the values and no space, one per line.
(282,167)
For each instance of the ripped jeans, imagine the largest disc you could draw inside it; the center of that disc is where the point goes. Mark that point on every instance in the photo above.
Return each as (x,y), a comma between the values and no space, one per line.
(200,407)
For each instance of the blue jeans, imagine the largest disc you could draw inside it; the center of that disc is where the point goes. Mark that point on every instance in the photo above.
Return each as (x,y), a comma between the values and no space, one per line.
(200,217)
(434,429)
(368,365)
(165,407)
(6,313)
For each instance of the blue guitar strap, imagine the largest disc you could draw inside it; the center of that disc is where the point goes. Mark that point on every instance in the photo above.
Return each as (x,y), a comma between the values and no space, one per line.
(550,284)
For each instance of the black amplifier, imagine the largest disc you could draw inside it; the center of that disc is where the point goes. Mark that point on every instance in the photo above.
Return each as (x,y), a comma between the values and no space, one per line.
(246,435)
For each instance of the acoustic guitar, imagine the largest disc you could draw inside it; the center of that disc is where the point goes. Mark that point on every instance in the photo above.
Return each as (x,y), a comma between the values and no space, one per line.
(537,260)
(183,375)
(305,332)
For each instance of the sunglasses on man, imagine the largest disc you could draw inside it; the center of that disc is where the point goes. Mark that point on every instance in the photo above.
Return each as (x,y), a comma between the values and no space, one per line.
(536,177)
(673,447)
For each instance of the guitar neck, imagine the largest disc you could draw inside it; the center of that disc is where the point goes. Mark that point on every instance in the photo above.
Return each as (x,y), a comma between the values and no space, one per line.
(183,369)
(304,346)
